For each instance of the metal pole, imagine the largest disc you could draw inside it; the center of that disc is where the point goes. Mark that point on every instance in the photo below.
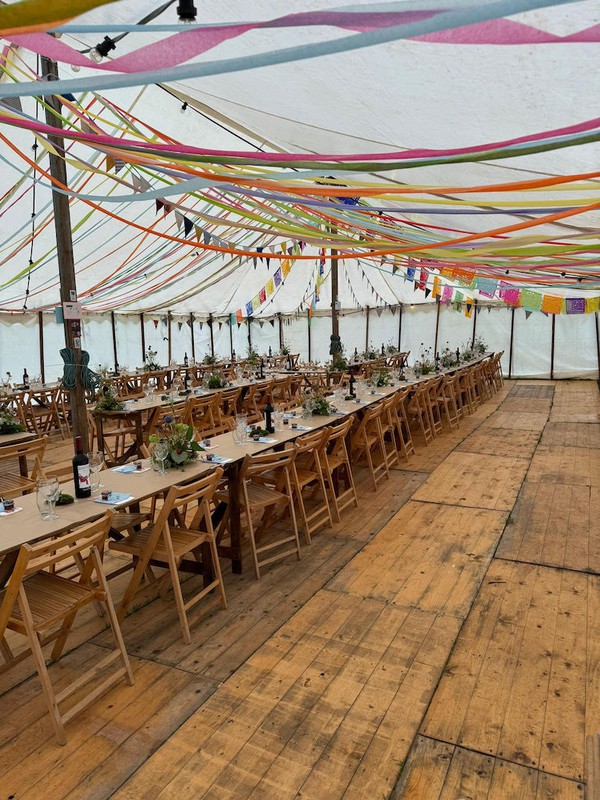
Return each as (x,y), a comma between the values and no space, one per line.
(400,328)
(143,338)
(41,339)
(64,250)
(114,338)
(437,326)
(474,324)
(510,352)
(552,348)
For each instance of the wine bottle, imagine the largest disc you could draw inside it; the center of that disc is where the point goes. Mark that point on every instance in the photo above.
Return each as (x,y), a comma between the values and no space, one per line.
(25,379)
(185,360)
(268,418)
(81,471)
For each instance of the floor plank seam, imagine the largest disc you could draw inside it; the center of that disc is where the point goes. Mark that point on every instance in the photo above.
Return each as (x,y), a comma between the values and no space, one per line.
(577,782)
(559,567)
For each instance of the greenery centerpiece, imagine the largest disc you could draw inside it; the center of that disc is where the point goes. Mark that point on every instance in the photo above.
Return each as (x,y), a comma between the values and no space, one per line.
(8,422)
(181,447)
(317,404)
(215,380)
(209,359)
(107,400)
(382,377)
(480,346)
(448,358)
(150,363)
(253,357)
(391,349)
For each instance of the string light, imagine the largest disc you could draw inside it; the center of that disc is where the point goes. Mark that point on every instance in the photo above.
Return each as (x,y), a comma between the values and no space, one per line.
(186,11)
(102,49)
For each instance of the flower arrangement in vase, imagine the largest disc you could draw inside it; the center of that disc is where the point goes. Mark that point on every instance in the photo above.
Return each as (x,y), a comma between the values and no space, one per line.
(181,447)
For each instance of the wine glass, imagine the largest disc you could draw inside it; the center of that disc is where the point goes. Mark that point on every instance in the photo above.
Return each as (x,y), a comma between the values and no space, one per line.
(96,460)
(160,453)
(48,491)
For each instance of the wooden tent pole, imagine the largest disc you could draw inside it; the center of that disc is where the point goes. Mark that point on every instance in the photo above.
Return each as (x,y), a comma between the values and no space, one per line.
(143,338)
(64,250)
(308,334)
(474,324)
(114,338)
(231,337)
(212,335)
(597,315)
(249,334)
(41,340)
(400,328)
(367,333)
(552,348)
(193,338)
(280,332)
(169,348)
(510,351)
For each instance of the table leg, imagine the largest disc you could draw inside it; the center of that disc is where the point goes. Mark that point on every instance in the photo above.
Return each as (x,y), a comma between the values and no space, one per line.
(7,564)
(235,522)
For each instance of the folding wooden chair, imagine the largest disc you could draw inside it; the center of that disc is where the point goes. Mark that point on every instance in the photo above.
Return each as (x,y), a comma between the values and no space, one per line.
(29,455)
(42,605)
(419,413)
(266,482)
(167,541)
(335,465)
(308,477)
(404,440)
(389,430)
(367,442)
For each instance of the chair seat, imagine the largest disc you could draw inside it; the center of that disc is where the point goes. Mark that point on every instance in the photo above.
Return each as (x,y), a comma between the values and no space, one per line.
(306,476)
(184,541)
(13,484)
(50,596)
(122,521)
(261,495)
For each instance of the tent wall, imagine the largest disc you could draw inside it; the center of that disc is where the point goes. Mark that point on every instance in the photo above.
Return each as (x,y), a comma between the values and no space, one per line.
(576,353)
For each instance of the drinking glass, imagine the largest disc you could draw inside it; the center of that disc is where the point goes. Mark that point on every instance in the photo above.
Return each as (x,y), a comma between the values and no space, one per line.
(160,452)
(48,491)
(241,429)
(278,419)
(96,460)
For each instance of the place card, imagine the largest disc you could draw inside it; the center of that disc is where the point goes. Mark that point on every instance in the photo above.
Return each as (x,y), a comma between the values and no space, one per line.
(215,459)
(114,499)
(303,428)
(126,469)
(264,440)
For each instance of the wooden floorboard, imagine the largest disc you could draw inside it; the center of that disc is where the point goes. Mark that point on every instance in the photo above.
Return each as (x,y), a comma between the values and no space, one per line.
(555,524)
(403,656)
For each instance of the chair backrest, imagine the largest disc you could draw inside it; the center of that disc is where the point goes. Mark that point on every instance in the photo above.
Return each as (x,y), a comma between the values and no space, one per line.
(49,553)
(261,463)
(35,449)
(339,430)
(312,441)
(203,412)
(229,401)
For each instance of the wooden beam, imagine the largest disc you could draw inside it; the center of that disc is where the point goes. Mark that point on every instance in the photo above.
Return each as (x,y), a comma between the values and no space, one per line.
(510,349)
(193,337)
(169,348)
(64,249)
(143,338)
(367,333)
(552,348)
(437,326)
(114,338)
(598,341)
(335,323)
(231,337)
(212,335)
(41,341)
(308,334)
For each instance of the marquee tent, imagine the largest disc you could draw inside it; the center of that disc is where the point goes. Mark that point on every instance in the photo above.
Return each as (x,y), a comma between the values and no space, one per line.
(445,158)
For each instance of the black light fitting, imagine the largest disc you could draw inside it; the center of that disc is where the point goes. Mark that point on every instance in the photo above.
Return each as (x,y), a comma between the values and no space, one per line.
(102,49)
(186,11)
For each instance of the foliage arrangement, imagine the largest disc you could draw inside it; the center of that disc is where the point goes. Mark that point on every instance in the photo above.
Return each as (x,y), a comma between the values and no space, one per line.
(285,350)
(215,381)
(480,346)
(391,349)
(382,378)
(370,353)
(253,357)
(8,422)
(317,404)
(151,364)
(180,443)
(259,432)
(209,359)
(448,358)
(425,365)
(107,400)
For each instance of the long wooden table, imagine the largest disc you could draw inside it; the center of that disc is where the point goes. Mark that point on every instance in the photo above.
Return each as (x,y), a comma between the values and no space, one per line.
(27,526)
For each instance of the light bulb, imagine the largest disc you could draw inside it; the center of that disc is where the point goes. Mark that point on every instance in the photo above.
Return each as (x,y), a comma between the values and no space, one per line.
(75,67)
(95,55)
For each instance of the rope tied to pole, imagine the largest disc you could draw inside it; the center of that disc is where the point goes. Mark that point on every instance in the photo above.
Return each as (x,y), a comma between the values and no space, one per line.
(89,379)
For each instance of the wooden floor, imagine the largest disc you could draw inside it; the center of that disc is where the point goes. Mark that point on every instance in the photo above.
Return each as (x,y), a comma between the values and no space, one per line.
(442,642)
